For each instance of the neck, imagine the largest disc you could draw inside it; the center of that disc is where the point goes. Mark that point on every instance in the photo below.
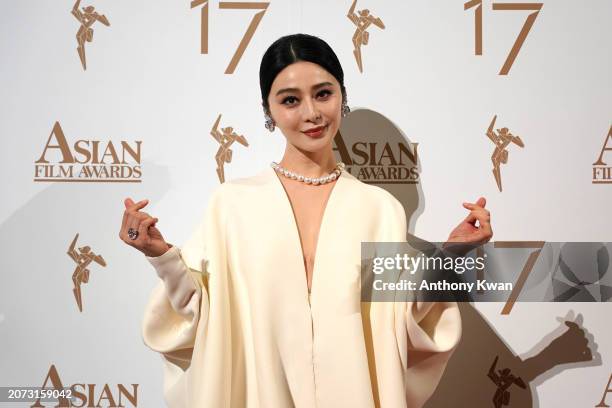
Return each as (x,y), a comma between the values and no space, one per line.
(308,164)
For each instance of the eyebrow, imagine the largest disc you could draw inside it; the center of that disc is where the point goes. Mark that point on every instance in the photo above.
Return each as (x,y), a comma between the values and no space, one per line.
(296,90)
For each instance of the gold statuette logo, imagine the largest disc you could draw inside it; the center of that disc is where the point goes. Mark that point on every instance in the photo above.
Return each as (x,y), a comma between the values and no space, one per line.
(82,257)
(362,20)
(226,137)
(87,16)
(502,138)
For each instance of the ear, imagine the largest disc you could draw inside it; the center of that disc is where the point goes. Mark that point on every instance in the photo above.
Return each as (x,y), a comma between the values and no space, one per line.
(267,111)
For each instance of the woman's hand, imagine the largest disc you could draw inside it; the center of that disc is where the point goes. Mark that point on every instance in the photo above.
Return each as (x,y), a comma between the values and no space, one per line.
(148,239)
(467,232)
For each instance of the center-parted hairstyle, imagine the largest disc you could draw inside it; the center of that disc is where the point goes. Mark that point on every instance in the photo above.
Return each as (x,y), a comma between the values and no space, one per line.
(293,48)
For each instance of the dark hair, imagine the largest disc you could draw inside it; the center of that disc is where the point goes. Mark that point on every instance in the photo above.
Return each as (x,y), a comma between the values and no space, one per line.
(293,48)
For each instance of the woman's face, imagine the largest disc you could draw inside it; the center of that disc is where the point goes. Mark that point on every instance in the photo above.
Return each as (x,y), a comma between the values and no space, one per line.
(304,96)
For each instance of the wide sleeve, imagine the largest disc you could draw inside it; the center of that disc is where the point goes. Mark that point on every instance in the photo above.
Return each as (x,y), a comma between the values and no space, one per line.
(177,306)
(434,330)
(174,308)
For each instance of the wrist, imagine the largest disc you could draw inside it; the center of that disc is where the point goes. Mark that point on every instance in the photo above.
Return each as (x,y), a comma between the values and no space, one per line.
(158,251)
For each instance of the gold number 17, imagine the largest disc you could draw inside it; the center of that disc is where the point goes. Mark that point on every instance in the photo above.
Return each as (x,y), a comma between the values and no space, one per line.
(518,43)
(246,38)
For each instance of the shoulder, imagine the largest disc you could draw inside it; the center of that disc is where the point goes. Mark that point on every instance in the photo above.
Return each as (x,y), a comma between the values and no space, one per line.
(372,195)
(385,212)
(235,189)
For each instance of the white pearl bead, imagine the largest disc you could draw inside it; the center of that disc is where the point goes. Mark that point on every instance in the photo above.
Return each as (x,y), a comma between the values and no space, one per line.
(310,180)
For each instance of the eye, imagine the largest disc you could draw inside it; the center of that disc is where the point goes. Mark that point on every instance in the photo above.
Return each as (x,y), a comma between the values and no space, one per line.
(325,93)
(287,99)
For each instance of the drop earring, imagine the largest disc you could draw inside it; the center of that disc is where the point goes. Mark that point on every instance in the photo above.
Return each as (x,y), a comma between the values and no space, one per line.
(270,125)
(345,109)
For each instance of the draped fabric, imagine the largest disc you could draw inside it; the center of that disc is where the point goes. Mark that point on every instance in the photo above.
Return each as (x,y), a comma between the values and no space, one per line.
(233,321)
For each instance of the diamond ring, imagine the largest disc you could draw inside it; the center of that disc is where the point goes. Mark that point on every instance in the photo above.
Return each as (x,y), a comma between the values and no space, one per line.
(132,233)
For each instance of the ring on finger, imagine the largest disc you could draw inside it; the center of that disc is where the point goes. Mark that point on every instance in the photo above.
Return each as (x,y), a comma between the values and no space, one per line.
(132,233)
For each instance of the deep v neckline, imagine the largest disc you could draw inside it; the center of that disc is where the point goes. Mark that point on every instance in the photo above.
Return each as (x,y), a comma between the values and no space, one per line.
(320,233)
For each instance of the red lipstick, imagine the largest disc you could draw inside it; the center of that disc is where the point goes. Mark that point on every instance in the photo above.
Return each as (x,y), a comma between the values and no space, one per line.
(315,132)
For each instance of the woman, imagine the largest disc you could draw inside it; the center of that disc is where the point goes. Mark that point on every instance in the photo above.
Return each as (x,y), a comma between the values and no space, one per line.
(261,307)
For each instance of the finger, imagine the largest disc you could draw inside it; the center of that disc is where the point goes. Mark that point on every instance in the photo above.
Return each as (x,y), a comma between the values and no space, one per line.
(481,202)
(485,224)
(123,221)
(480,215)
(128,202)
(125,225)
(471,206)
(481,212)
(135,219)
(139,205)
(471,218)
(487,231)
(141,215)
(142,219)
(483,232)
(133,223)
(484,217)
(143,228)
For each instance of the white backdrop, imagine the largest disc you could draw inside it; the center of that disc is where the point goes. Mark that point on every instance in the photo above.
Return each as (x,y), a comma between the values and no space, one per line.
(146,80)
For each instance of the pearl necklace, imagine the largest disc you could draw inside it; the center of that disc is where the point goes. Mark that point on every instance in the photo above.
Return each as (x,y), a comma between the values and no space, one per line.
(334,174)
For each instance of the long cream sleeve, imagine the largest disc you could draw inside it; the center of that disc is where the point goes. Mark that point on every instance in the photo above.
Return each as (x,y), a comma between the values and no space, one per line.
(434,331)
(172,316)
(177,306)
(426,335)
(180,298)
(174,308)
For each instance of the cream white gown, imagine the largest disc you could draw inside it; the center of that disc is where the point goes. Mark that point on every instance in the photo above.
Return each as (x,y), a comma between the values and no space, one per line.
(235,325)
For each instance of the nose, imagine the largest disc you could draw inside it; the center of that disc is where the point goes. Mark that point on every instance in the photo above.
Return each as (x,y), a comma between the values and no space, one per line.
(311,110)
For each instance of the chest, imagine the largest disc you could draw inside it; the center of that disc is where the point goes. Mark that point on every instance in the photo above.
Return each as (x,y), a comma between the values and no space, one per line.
(308,204)
(278,236)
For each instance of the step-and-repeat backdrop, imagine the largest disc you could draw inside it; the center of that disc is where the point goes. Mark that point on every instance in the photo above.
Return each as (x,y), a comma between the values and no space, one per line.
(451,100)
